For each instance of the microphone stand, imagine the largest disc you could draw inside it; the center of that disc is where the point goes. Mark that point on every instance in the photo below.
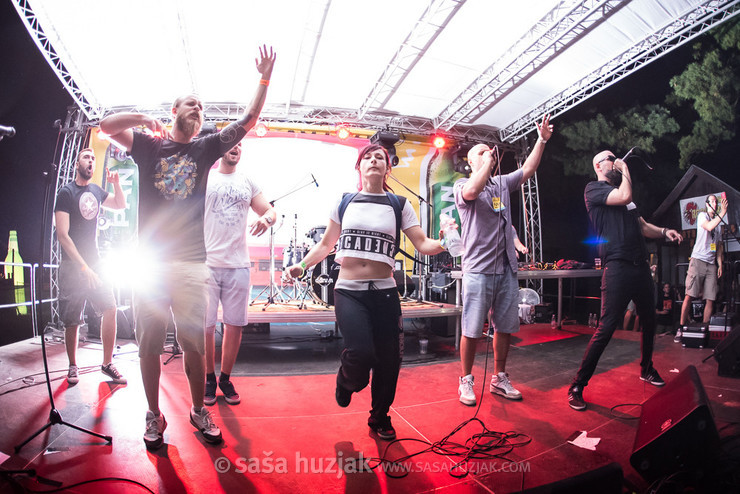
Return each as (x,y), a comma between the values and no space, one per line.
(55,417)
(271,288)
(421,287)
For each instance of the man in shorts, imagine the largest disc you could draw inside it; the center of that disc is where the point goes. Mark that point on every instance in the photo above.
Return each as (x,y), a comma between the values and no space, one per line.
(173,168)
(705,265)
(229,196)
(489,263)
(76,216)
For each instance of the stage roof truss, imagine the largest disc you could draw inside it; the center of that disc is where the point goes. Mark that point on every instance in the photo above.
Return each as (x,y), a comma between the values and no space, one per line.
(690,25)
(432,22)
(542,43)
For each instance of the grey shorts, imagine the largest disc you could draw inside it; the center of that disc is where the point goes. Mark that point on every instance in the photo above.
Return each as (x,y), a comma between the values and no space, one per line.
(74,291)
(177,294)
(701,280)
(230,286)
(497,293)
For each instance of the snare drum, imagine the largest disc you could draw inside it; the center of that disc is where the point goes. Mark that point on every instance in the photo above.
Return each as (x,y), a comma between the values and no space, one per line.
(323,279)
(316,233)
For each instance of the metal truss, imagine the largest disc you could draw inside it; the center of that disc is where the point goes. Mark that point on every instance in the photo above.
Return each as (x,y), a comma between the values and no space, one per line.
(681,30)
(532,225)
(309,115)
(431,23)
(89,108)
(74,131)
(564,24)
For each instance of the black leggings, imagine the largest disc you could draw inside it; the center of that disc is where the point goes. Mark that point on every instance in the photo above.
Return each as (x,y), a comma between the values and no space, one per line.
(370,322)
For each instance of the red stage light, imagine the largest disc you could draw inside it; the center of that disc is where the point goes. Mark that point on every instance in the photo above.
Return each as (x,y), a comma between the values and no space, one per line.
(261,129)
(343,132)
(439,142)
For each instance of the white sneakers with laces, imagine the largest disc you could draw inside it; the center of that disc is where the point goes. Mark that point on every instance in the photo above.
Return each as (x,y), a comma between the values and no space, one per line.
(501,386)
(465,390)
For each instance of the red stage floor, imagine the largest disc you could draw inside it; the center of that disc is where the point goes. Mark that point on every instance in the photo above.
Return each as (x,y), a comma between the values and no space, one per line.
(288,434)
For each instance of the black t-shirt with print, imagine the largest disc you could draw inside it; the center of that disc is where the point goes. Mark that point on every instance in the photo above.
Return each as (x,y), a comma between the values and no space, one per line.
(83,205)
(172,190)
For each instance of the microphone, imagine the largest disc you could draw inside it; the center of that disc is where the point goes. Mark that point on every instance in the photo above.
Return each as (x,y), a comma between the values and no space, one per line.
(314,180)
(7,131)
(629,153)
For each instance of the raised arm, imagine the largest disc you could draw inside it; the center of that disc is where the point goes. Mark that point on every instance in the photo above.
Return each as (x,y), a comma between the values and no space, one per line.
(544,130)
(116,200)
(265,62)
(119,127)
(622,195)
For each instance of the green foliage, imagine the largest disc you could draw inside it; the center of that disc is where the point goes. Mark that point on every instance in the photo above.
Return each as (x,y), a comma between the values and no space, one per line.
(640,126)
(711,86)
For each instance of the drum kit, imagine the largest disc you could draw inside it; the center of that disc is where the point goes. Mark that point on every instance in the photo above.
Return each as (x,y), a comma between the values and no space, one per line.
(317,283)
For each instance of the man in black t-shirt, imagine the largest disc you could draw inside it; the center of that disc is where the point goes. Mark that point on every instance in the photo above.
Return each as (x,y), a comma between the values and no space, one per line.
(627,276)
(173,172)
(76,218)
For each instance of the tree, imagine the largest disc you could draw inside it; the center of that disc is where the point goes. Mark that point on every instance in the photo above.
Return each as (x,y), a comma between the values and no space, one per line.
(711,85)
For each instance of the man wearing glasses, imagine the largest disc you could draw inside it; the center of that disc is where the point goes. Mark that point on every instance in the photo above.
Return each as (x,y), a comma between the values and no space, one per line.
(626,277)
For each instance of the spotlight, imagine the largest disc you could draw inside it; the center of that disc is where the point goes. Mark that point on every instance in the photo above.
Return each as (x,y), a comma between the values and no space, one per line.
(459,154)
(388,140)
(343,132)
(439,141)
(261,129)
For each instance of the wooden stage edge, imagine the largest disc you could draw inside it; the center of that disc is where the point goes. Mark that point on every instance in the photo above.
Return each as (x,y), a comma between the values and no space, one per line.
(290,312)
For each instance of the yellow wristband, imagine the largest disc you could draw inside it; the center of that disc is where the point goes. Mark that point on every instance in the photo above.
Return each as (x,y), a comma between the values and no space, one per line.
(265,82)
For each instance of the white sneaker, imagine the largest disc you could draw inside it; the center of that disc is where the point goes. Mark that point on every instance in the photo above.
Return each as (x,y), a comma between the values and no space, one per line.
(203,421)
(72,375)
(155,426)
(501,385)
(465,390)
(677,338)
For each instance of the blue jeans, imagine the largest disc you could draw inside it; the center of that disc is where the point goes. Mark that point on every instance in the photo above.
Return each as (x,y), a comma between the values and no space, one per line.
(621,282)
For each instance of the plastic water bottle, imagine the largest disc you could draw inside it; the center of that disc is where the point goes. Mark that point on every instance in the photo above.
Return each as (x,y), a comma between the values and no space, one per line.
(553,322)
(452,237)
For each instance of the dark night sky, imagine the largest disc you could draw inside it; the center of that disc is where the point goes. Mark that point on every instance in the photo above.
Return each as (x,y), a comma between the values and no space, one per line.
(32,98)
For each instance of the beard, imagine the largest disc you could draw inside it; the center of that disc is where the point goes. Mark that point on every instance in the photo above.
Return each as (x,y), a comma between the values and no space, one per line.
(187,125)
(85,173)
(614,178)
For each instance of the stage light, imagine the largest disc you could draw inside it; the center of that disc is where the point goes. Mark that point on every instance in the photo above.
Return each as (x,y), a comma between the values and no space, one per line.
(343,132)
(439,142)
(459,155)
(261,129)
(388,140)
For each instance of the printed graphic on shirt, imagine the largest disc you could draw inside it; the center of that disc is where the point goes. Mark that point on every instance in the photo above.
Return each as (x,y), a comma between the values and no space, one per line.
(175,177)
(366,241)
(230,203)
(89,206)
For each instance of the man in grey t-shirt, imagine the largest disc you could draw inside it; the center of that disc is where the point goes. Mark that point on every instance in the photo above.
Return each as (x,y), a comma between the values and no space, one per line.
(489,264)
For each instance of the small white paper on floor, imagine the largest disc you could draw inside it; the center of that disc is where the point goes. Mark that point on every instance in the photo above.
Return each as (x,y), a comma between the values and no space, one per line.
(585,442)
(674,370)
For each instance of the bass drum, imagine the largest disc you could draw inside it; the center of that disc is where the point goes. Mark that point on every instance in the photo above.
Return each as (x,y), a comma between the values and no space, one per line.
(323,279)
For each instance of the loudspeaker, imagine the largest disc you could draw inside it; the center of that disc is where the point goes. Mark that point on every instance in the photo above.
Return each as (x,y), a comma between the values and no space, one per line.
(727,354)
(125,323)
(676,428)
(605,480)
(410,285)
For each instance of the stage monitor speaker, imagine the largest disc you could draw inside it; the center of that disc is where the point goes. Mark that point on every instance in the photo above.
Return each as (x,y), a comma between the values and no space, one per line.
(727,354)
(676,429)
(604,480)
(125,323)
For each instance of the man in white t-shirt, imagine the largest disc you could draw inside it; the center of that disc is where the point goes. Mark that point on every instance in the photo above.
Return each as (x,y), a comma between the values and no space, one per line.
(229,196)
(701,278)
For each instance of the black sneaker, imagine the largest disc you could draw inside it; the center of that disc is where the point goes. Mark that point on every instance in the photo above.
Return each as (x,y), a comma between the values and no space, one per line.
(343,396)
(575,398)
(210,396)
(382,428)
(230,394)
(651,376)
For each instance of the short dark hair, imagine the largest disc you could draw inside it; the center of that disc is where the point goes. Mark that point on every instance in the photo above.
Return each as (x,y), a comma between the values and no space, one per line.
(79,155)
